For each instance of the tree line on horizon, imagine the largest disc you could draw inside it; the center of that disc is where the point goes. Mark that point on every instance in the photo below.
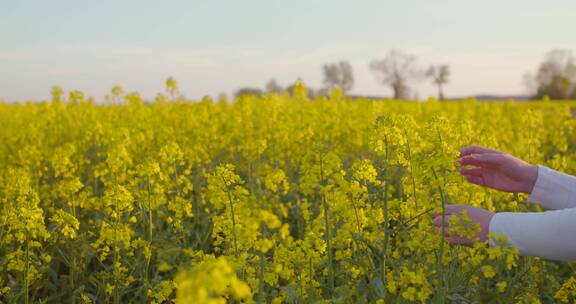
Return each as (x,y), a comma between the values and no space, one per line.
(397,70)
(555,77)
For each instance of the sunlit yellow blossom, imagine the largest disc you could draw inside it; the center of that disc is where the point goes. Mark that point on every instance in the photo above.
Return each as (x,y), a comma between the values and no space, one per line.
(488,271)
(210,282)
(501,286)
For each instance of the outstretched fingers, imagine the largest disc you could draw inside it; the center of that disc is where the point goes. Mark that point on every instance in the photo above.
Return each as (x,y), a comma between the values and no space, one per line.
(470,160)
(476,180)
(474,175)
(479,160)
(450,235)
(453,238)
(476,150)
(454,209)
(449,210)
(437,221)
(471,171)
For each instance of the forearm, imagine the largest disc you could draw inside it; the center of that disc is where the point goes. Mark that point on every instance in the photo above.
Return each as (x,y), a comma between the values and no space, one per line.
(550,234)
(553,189)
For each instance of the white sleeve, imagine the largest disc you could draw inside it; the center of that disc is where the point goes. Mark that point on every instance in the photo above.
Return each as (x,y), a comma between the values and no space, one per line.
(553,189)
(550,234)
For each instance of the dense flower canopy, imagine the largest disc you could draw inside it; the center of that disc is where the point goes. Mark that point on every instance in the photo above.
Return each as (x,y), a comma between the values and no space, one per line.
(274,198)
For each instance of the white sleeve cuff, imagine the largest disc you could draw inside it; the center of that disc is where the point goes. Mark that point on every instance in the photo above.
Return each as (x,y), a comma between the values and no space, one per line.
(549,234)
(497,227)
(553,189)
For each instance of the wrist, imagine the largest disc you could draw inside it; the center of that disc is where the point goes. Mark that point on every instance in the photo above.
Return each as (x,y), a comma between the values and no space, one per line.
(486,225)
(531,177)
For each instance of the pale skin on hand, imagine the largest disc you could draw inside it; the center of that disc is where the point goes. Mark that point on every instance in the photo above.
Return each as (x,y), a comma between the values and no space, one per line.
(497,170)
(492,169)
(477,215)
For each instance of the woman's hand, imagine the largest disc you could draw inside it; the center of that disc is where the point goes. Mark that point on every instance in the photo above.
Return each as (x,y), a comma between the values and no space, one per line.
(497,170)
(475,214)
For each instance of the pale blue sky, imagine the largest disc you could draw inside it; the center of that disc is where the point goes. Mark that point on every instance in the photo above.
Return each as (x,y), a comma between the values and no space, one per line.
(217,46)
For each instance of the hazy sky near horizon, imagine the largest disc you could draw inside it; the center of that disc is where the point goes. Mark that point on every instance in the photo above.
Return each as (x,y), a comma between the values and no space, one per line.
(218,46)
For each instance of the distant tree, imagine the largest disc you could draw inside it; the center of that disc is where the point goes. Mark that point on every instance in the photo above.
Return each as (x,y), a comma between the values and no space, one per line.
(559,87)
(530,84)
(322,92)
(439,75)
(338,75)
(555,77)
(397,69)
(273,87)
(248,92)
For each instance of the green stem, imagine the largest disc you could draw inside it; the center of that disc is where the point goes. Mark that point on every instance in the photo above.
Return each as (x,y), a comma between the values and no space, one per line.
(261,293)
(411,169)
(176,177)
(300,281)
(357,218)
(150,238)
(327,228)
(116,296)
(73,267)
(26,271)
(358,222)
(311,270)
(233,221)
(116,254)
(386,220)
(150,218)
(386,234)
(443,229)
